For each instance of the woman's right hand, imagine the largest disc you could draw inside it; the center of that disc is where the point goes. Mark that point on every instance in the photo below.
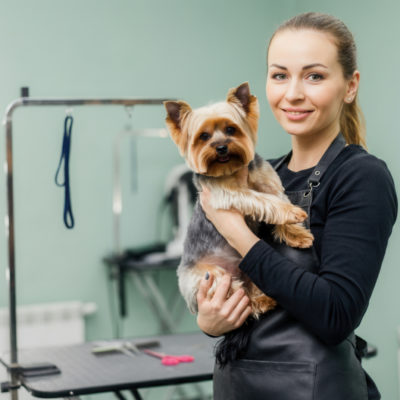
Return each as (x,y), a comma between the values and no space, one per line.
(218,314)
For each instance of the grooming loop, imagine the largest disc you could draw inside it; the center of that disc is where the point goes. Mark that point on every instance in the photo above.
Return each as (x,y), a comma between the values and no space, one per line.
(64,161)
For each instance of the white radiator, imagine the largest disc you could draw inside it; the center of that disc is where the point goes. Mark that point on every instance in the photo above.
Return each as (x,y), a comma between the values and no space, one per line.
(43,325)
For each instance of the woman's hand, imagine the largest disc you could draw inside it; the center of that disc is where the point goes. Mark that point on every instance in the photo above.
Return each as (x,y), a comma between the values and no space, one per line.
(229,223)
(217,314)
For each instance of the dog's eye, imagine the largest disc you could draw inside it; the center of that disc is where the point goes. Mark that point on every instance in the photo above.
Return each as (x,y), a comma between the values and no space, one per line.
(230,130)
(204,136)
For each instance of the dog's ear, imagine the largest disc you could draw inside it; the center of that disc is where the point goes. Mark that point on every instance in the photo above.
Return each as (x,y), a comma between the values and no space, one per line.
(242,97)
(177,112)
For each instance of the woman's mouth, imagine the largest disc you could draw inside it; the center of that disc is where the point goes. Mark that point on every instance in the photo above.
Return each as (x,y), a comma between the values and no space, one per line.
(296,114)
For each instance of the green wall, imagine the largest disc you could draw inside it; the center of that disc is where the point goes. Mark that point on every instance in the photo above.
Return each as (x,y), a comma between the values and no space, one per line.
(146,48)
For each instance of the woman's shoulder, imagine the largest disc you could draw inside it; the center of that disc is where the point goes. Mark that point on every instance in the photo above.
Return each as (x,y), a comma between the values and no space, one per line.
(356,174)
(355,161)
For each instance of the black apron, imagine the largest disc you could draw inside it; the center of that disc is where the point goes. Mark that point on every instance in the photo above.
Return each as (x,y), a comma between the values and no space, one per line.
(283,360)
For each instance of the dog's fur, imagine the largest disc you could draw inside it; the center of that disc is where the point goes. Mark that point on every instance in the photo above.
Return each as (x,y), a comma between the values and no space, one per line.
(217,142)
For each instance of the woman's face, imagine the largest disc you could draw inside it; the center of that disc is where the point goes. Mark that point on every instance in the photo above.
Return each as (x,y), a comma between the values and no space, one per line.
(305,83)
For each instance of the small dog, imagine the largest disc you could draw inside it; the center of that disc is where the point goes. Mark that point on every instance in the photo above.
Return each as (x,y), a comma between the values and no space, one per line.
(217,142)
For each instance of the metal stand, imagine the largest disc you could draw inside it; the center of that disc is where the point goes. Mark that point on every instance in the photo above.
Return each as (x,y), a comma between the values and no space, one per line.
(25,101)
(143,272)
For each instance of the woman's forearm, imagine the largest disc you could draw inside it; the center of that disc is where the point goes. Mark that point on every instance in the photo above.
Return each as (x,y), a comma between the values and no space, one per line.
(230,224)
(242,239)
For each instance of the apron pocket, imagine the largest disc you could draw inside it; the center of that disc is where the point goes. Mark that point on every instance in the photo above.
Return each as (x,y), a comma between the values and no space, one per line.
(269,380)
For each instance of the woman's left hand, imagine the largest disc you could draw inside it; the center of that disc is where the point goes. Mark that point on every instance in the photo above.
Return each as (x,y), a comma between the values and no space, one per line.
(229,223)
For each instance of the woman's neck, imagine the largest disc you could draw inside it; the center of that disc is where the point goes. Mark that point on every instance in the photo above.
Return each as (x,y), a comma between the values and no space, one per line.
(307,151)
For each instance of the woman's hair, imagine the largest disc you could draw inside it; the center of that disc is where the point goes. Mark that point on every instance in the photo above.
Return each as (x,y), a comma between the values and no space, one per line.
(352,122)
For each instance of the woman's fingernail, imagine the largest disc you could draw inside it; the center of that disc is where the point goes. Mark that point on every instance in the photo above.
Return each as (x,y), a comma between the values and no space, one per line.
(207,276)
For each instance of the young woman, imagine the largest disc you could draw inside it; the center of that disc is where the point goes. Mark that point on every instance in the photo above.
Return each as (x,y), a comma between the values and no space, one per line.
(306,349)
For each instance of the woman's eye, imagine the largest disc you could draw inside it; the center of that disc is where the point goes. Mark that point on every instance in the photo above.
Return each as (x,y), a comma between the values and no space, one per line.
(315,77)
(279,77)
(204,136)
(230,130)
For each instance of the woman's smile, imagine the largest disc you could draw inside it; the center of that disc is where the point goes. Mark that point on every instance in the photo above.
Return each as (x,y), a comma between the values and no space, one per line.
(296,114)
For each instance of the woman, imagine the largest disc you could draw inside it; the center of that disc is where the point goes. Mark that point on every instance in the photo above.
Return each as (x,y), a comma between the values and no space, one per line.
(306,349)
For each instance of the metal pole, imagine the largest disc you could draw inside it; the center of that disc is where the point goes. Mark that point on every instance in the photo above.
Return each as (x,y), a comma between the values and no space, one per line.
(27,101)
(11,264)
(10,218)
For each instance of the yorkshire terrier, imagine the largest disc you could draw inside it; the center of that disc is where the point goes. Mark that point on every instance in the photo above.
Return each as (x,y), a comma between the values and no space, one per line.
(217,142)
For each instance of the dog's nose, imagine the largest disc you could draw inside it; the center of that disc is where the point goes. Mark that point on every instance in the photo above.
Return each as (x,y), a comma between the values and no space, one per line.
(222,150)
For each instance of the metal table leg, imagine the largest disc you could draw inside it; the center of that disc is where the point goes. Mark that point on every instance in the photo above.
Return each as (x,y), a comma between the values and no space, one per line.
(151,293)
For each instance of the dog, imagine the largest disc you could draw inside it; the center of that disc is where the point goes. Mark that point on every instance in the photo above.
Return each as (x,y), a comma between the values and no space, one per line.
(218,142)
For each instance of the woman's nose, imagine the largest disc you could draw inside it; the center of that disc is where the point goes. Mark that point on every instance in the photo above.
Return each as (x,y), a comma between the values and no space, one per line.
(294,90)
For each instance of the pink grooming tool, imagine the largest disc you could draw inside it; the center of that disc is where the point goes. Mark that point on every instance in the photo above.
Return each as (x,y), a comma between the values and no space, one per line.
(168,359)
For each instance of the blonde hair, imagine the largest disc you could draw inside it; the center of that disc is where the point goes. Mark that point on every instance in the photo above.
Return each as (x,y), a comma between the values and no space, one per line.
(352,121)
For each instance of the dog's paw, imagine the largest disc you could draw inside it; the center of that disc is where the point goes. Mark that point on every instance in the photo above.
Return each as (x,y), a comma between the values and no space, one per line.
(302,241)
(294,235)
(261,305)
(295,215)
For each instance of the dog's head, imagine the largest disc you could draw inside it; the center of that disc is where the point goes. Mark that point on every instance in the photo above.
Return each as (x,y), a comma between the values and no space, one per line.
(218,139)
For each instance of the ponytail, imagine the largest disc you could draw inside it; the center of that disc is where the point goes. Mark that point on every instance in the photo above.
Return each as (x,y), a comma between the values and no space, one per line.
(352,123)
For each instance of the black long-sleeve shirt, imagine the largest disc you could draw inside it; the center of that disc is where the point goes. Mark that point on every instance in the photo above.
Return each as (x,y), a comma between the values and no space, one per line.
(352,214)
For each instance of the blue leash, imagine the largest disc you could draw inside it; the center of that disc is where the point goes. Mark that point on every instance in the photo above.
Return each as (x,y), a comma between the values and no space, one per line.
(65,152)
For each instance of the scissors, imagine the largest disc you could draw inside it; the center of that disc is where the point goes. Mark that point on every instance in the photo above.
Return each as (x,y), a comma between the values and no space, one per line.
(168,359)
(126,347)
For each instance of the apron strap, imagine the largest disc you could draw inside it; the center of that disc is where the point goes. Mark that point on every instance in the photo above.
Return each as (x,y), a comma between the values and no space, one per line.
(333,151)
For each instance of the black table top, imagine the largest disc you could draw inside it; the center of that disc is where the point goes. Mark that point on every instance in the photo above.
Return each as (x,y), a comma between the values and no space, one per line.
(156,261)
(83,372)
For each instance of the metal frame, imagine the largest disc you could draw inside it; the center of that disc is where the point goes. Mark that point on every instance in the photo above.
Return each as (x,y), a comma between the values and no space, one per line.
(117,186)
(144,278)
(9,221)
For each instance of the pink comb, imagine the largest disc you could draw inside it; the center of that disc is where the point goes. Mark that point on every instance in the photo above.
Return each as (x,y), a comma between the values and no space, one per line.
(168,359)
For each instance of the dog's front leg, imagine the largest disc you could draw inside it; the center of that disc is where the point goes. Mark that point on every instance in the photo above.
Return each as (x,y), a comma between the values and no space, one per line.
(259,206)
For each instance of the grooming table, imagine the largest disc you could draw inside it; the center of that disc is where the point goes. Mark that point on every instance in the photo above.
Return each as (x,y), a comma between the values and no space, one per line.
(83,372)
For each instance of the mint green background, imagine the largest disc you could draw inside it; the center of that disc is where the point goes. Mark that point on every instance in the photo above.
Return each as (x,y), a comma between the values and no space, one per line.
(194,50)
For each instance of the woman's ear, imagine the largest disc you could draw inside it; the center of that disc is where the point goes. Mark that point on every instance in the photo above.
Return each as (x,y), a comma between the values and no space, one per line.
(352,87)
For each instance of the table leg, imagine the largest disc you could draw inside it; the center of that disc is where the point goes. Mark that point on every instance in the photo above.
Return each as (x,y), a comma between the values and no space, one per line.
(136,394)
(148,289)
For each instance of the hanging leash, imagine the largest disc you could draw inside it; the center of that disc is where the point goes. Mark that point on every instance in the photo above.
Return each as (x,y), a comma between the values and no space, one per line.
(65,153)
